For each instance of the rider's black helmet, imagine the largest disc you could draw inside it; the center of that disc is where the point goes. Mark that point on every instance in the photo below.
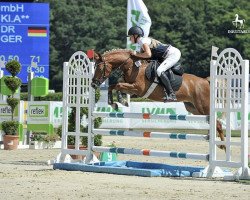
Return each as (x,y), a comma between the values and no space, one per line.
(136,30)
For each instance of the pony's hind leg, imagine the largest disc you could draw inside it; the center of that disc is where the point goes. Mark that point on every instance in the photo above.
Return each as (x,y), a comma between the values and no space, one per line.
(190,108)
(220,134)
(110,98)
(120,98)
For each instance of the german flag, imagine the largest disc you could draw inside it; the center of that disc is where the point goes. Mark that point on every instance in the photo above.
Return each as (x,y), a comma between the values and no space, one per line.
(37,31)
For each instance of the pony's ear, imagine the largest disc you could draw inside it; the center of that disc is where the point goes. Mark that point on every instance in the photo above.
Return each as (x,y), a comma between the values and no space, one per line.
(97,56)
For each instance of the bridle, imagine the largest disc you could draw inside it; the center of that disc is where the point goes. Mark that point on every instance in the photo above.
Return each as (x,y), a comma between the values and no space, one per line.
(104,70)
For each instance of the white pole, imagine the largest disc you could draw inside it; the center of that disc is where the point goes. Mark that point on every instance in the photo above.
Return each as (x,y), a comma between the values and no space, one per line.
(2,65)
(30,77)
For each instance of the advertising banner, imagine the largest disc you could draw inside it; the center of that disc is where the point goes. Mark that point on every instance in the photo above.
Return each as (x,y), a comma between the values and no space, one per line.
(44,115)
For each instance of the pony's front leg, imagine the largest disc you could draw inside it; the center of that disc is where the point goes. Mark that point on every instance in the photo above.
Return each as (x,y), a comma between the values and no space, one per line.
(110,97)
(127,88)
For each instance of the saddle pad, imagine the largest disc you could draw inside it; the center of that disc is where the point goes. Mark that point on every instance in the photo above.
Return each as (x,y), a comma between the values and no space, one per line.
(150,73)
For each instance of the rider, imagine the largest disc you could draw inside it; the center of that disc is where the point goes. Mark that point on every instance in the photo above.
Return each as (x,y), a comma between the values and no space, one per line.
(166,54)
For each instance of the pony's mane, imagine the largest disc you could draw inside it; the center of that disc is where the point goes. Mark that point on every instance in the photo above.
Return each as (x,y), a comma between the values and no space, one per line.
(115,51)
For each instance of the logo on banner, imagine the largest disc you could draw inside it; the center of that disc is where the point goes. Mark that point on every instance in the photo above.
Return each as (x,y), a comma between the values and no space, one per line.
(137,15)
(38,111)
(136,20)
(157,111)
(5,110)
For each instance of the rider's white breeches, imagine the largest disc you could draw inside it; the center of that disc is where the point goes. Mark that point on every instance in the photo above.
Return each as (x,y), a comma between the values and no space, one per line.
(173,56)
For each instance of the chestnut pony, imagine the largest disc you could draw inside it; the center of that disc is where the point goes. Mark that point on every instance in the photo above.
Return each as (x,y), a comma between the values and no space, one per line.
(194,91)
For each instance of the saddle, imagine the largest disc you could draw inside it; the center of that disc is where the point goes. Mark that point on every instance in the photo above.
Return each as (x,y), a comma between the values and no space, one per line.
(174,74)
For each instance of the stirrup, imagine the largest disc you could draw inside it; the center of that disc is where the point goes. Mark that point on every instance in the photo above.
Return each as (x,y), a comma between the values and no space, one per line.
(170,97)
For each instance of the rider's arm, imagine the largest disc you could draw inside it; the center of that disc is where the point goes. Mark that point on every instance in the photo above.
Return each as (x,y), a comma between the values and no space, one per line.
(146,54)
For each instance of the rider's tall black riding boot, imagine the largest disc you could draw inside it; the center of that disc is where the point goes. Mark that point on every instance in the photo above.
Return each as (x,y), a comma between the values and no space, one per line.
(170,95)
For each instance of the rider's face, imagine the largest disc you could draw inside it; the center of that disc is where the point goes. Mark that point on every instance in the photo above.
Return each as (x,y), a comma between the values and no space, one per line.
(132,38)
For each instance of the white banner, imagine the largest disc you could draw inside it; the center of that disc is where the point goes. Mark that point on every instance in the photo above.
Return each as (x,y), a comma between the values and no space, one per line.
(137,14)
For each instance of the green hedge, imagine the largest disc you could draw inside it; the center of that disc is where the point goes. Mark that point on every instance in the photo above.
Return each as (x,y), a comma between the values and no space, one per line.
(58,97)
(50,97)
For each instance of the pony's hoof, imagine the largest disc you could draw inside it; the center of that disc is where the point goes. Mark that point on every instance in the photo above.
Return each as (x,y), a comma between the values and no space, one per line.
(222,147)
(124,103)
(115,106)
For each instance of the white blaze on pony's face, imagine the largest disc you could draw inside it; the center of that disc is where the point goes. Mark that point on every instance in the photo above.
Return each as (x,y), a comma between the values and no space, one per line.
(101,70)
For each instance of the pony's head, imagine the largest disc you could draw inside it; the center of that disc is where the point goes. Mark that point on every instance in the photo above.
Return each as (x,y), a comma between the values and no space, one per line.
(106,63)
(101,71)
